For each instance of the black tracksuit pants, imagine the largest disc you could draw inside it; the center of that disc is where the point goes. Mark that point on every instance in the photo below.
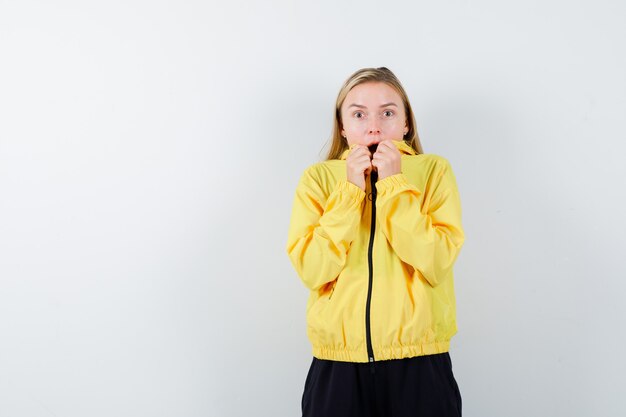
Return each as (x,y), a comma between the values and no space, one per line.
(422,386)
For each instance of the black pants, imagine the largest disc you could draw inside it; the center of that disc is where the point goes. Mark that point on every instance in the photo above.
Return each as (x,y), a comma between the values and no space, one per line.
(422,386)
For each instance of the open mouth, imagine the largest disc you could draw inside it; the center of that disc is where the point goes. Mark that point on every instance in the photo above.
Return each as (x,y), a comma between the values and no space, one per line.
(373,148)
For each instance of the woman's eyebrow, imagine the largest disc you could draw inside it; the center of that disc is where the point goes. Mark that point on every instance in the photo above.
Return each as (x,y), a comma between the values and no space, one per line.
(364,107)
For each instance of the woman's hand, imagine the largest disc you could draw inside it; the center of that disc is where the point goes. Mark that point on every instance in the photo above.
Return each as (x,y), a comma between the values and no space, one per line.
(358,165)
(387,159)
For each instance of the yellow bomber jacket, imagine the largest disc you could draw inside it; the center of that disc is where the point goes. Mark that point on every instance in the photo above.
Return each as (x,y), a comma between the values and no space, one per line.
(378,263)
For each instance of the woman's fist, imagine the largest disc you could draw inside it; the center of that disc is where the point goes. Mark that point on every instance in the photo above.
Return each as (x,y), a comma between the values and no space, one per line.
(387,160)
(358,165)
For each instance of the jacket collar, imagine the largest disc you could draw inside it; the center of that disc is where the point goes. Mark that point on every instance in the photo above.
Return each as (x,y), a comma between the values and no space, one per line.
(402,146)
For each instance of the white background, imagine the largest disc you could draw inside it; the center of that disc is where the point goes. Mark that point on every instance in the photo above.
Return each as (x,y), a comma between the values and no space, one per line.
(149,152)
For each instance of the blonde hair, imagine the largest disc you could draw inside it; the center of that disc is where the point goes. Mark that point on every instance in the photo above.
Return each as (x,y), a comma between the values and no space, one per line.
(382,74)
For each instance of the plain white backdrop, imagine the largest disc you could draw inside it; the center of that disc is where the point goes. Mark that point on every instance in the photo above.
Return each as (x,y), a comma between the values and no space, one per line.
(149,152)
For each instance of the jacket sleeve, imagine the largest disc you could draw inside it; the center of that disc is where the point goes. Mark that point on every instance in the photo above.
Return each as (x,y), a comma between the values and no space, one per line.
(321,229)
(427,236)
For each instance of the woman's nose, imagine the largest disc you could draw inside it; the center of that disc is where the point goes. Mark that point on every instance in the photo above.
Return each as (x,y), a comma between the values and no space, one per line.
(374,127)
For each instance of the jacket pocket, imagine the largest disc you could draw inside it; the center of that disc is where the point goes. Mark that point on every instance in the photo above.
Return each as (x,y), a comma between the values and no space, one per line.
(332,289)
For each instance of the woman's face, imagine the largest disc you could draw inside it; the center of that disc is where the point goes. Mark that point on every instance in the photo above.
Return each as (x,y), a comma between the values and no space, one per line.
(372,112)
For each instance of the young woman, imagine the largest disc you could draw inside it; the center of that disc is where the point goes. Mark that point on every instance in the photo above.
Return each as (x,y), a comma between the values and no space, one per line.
(375,230)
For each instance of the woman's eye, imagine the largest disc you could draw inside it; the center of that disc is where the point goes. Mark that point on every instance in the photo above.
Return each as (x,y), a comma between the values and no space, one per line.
(388,113)
(358,115)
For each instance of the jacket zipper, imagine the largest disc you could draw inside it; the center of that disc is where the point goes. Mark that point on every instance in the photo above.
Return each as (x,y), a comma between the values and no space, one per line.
(370,350)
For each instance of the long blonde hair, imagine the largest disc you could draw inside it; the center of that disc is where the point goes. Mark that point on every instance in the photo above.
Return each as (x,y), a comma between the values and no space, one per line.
(382,74)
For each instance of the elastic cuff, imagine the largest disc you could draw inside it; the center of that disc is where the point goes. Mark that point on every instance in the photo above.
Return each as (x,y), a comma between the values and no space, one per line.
(391,181)
(352,190)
